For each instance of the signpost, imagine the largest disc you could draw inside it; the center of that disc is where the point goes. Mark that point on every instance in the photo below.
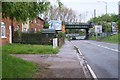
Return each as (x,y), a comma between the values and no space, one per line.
(98,30)
(114,27)
(55,43)
(55,25)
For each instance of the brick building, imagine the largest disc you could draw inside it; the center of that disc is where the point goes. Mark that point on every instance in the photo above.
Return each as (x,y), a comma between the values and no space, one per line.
(7,31)
(36,25)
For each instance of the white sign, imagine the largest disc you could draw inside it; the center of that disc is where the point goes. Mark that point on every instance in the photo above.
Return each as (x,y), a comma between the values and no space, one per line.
(55,43)
(98,28)
(55,24)
(114,27)
(10,34)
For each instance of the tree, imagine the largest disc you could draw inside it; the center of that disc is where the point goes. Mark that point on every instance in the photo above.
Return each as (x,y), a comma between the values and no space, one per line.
(104,20)
(60,11)
(23,10)
(46,25)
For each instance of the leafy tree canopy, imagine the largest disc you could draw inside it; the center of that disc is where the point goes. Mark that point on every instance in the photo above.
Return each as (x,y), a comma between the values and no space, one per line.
(23,10)
(105,18)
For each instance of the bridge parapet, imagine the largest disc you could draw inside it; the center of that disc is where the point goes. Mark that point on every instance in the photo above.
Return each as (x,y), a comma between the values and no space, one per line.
(77,25)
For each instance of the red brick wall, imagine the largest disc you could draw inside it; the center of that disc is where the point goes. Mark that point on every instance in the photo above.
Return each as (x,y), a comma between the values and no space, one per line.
(15,24)
(38,25)
(7,22)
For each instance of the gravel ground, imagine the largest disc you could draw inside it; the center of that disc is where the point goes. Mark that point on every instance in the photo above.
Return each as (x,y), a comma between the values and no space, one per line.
(53,66)
(65,64)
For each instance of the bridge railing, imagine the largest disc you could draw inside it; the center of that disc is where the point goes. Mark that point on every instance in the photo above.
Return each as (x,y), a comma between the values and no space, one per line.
(83,25)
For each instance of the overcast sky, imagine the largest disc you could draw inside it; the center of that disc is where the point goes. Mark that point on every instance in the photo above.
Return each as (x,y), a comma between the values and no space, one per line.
(83,6)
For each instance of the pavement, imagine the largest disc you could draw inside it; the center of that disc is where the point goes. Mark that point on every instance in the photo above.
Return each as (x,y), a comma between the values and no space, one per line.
(65,64)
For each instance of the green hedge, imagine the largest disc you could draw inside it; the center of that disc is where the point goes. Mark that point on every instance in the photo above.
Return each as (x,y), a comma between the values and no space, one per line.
(35,38)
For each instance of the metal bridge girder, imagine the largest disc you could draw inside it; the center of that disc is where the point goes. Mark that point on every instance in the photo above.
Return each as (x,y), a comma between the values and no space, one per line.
(78,26)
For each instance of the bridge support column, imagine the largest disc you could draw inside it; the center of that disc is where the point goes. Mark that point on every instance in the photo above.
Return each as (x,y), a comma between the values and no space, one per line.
(87,34)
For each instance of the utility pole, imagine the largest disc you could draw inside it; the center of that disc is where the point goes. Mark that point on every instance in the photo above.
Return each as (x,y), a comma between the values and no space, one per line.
(105,5)
(106,15)
(119,17)
(94,13)
(80,17)
(119,8)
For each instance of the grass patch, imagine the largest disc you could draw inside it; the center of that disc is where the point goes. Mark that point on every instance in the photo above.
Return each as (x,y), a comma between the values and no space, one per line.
(13,67)
(93,38)
(29,49)
(111,39)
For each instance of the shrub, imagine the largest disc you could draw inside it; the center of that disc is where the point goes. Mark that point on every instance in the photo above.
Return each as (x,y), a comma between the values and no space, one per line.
(37,38)
(46,25)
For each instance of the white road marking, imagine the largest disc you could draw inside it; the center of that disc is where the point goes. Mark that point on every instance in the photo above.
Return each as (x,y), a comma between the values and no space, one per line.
(82,62)
(104,47)
(93,74)
(90,69)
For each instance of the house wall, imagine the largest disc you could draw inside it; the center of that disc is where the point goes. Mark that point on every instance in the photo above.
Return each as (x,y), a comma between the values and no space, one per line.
(40,24)
(36,25)
(25,26)
(7,22)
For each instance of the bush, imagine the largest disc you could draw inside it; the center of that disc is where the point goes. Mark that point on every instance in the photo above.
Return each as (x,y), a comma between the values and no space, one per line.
(61,38)
(37,38)
(46,25)
(61,35)
(16,36)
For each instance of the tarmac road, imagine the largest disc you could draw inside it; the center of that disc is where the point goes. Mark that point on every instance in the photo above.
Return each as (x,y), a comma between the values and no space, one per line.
(101,56)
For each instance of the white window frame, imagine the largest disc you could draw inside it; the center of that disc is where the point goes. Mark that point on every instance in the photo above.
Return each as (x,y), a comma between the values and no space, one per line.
(3,35)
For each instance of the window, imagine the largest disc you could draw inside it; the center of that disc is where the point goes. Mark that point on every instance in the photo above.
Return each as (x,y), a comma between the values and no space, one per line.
(3,30)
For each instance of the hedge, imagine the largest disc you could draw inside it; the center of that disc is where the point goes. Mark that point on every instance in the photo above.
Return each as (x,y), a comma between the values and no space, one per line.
(35,38)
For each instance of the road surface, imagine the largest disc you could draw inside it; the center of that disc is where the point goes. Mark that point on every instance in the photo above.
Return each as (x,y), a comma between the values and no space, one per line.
(101,56)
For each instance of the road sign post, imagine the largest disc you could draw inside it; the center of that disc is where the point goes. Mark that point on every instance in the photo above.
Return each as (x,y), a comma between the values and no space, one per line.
(55,42)
(98,30)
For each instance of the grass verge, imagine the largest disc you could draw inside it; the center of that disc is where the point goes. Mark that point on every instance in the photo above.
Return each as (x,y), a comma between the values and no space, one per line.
(110,39)
(13,67)
(29,49)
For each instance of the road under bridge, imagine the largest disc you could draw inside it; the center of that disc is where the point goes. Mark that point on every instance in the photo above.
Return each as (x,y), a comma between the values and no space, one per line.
(85,26)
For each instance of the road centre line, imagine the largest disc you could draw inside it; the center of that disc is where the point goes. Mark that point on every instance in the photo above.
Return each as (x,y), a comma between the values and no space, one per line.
(104,47)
